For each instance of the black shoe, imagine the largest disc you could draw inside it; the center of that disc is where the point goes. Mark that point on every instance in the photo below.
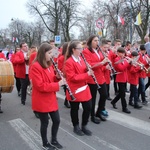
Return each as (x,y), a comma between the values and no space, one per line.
(116,93)
(86,131)
(126,110)
(103,118)
(137,106)
(47,146)
(56,144)
(23,102)
(145,102)
(19,93)
(131,103)
(114,105)
(109,98)
(95,120)
(78,131)
(66,103)
(1,111)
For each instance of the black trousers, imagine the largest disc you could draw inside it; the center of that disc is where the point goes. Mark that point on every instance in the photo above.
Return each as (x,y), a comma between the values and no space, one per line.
(121,94)
(74,112)
(44,119)
(108,87)
(102,98)
(18,84)
(24,83)
(147,84)
(115,83)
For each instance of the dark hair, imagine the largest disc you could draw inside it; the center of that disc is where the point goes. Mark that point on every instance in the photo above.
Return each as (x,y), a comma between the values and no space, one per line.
(22,44)
(41,55)
(127,43)
(117,40)
(51,41)
(71,46)
(142,47)
(89,42)
(104,42)
(121,50)
(134,53)
(64,48)
(16,49)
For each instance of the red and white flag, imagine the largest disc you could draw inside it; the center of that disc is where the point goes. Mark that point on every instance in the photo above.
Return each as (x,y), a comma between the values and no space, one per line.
(121,20)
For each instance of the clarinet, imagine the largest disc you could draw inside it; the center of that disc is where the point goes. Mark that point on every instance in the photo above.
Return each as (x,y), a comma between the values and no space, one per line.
(88,68)
(113,71)
(60,74)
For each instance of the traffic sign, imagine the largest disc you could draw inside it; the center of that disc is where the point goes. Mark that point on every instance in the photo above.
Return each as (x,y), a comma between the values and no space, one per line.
(99,23)
(57,39)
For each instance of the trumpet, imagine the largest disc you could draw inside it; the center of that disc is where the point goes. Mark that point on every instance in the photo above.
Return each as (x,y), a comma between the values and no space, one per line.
(134,62)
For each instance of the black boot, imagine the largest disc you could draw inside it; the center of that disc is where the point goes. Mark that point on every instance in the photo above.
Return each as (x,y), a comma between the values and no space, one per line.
(0,106)
(86,131)
(78,131)
(137,106)
(56,144)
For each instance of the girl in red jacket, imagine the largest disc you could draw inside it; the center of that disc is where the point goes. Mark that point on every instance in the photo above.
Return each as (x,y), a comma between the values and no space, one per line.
(77,75)
(44,87)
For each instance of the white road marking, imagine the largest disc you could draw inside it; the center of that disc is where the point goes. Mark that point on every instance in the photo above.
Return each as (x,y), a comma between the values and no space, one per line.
(26,133)
(94,137)
(126,120)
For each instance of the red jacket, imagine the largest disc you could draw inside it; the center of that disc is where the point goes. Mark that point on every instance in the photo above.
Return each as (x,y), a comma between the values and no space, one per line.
(20,61)
(121,68)
(32,57)
(44,87)
(93,59)
(133,74)
(2,56)
(13,61)
(143,60)
(60,62)
(76,75)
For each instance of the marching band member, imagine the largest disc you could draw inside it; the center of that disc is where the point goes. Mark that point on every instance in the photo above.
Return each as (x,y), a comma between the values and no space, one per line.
(18,83)
(121,65)
(141,88)
(77,76)
(133,78)
(97,61)
(44,87)
(22,69)
(60,61)
(117,44)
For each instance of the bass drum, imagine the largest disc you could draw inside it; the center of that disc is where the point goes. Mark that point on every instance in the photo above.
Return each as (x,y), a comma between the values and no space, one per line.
(6,76)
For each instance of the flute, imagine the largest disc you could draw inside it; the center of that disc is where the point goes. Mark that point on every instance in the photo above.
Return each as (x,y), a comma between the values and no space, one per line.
(60,74)
(88,68)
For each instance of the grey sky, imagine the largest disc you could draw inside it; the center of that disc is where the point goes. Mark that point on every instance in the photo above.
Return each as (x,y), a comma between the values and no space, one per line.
(16,9)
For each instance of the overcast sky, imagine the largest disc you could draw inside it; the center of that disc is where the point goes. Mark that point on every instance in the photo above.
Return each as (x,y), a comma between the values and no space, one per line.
(16,9)
(12,9)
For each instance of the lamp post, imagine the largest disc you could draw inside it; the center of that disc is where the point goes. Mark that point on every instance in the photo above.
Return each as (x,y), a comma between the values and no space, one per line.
(131,21)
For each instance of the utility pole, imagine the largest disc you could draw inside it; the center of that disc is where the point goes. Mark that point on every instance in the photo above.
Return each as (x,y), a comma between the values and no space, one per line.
(131,21)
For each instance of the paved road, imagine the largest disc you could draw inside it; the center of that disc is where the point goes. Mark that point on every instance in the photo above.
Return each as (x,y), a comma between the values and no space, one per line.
(19,128)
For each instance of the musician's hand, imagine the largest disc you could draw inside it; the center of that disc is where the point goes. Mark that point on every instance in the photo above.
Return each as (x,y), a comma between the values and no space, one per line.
(62,82)
(105,61)
(90,72)
(58,76)
(26,58)
(108,67)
